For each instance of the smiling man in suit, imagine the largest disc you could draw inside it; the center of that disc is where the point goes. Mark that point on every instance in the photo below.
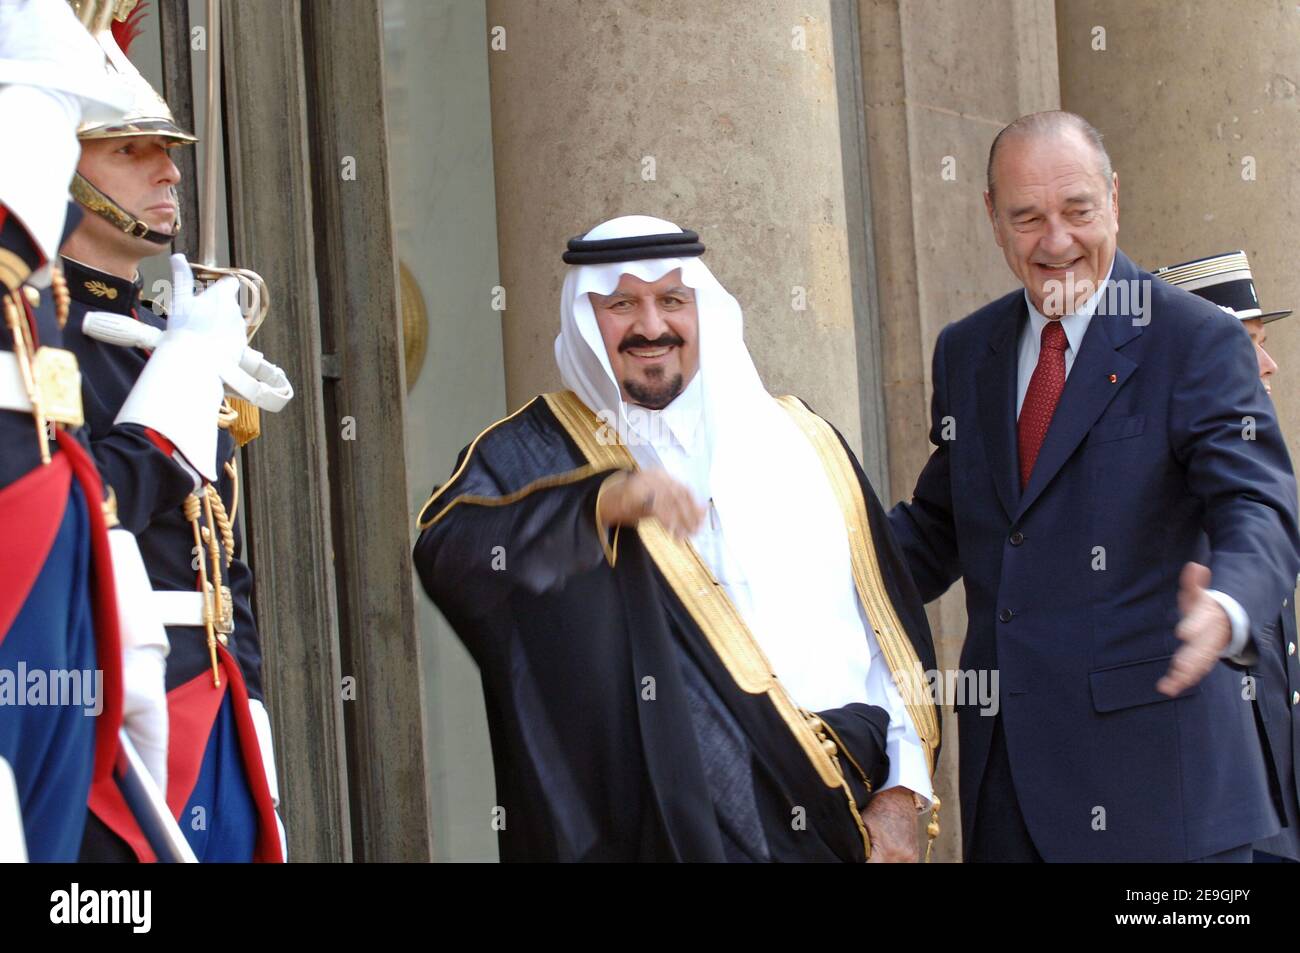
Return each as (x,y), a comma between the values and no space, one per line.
(1110,483)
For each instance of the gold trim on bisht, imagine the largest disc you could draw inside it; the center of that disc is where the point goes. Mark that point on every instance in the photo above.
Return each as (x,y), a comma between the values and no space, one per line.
(904,663)
(544,483)
(420,522)
(559,479)
(708,604)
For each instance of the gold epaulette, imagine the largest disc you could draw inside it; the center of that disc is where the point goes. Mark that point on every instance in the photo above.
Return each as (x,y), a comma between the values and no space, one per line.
(13,270)
(50,376)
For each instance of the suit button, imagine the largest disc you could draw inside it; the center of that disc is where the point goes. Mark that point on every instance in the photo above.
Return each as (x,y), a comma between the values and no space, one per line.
(1006,615)
(1295,698)
(1290,648)
(1017,538)
(1284,603)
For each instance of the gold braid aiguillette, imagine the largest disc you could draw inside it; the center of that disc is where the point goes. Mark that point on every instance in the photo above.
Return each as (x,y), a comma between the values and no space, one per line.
(223,521)
(193,513)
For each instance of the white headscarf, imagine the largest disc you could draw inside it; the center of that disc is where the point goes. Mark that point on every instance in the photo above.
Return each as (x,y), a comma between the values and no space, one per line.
(779,517)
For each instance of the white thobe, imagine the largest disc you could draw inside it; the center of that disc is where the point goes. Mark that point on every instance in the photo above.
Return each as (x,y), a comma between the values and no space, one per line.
(833,661)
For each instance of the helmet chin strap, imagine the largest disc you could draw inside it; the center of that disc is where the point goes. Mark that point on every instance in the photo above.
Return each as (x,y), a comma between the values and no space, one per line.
(99,203)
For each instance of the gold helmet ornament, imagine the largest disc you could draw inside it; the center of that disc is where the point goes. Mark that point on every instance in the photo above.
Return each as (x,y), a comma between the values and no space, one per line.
(115,24)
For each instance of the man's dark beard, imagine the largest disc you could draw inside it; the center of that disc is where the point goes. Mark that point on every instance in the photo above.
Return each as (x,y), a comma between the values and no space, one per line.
(654,397)
(658,395)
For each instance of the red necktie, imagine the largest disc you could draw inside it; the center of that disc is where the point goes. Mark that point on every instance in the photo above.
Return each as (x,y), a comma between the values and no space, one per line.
(1045,388)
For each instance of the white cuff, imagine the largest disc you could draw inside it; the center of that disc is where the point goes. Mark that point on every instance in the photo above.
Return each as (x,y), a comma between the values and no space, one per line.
(907,762)
(1240,624)
(908,767)
(179,394)
(262,724)
(179,459)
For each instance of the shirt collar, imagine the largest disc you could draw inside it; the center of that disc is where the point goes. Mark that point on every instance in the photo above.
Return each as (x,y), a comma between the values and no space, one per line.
(1074,325)
(680,419)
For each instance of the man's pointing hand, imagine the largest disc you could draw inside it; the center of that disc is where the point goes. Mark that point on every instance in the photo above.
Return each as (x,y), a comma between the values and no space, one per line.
(630,496)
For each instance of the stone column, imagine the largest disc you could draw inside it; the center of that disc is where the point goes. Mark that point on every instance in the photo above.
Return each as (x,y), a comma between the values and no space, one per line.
(939,80)
(717,115)
(1197,101)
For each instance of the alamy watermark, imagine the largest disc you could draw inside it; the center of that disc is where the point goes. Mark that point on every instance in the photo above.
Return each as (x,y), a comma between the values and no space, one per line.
(1130,298)
(64,688)
(975,688)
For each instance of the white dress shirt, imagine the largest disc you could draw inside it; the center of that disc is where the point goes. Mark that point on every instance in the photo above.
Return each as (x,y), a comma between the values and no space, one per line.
(850,666)
(1076,326)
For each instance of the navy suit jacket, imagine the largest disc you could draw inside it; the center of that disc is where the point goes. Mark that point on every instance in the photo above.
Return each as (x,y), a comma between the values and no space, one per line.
(1163,449)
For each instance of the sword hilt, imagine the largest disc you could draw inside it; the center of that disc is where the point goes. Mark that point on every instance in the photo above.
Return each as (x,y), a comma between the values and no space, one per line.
(259,295)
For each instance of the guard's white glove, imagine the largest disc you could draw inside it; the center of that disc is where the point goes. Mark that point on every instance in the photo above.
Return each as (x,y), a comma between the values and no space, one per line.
(144,711)
(262,723)
(255,378)
(144,654)
(52,77)
(259,382)
(180,389)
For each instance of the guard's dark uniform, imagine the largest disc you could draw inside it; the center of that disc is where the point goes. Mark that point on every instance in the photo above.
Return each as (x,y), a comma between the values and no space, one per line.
(216,786)
(58,609)
(1277,702)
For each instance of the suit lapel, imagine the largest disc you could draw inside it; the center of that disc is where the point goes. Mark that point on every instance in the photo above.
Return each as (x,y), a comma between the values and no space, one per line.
(995,383)
(1098,373)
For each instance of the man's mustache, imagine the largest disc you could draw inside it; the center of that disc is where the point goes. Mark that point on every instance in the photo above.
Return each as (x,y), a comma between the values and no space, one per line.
(637,340)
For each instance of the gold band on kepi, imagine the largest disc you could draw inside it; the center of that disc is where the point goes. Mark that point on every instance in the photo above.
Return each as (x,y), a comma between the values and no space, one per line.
(1223,279)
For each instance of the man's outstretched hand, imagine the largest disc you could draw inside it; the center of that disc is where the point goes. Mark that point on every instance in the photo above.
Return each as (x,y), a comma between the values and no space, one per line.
(630,496)
(1205,631)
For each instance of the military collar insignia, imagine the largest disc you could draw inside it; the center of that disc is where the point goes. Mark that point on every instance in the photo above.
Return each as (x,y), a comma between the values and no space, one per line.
(99,289)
